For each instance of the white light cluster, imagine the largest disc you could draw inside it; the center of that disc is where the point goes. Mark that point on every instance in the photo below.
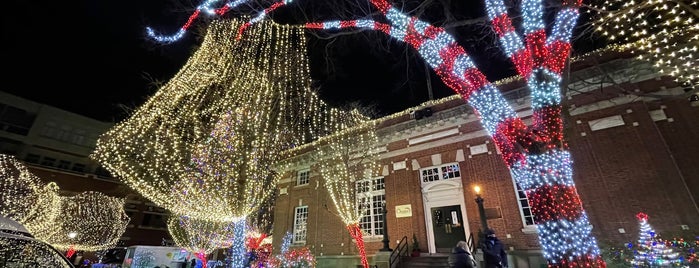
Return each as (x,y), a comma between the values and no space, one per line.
(462,63)
(511,43)
(365,23)
(334,24)
(495,8)
(166,38)
(533,16)
(491,107)
(429,50)
(544,85)
(399,23)
(563,25)
(237,250)
(561,238)
(552,168)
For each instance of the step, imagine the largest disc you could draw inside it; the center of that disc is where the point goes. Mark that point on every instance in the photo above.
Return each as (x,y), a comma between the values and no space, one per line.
(436,260)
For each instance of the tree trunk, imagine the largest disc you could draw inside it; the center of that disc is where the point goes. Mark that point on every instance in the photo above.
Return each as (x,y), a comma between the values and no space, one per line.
(356,233)
(563,227)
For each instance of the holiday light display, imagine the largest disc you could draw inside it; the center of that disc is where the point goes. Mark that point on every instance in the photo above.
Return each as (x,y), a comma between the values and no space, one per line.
(661,31)
(295,258)
(24,198)
(256,87)
(536,155)
(200,236)
(344,160)
(26,253)
(89,221)
(651,250)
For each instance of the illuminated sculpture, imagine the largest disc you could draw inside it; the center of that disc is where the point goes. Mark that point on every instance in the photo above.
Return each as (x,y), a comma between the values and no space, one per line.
(24,198)
(89,221)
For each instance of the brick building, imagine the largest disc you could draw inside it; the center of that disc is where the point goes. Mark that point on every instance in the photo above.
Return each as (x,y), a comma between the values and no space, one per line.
(55,145)
(632,133)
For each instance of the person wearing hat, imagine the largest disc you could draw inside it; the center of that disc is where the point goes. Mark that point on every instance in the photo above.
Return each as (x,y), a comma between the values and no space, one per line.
(493,251)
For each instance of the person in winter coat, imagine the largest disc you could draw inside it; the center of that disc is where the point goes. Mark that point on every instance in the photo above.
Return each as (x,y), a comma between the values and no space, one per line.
(460,257)
(493,251)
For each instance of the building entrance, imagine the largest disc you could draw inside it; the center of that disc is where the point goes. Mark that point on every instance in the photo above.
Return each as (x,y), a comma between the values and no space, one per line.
(447,227)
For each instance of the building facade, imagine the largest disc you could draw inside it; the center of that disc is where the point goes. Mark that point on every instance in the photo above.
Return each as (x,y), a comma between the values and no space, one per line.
(632,133)
(55,145)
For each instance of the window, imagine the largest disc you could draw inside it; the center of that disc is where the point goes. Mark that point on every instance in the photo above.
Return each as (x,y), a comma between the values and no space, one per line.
(32,158)
(524,208)
(303,177)
(78,167)
(153,221)
(300,220)
(48,161)
(443,172)
(62,164)
(371,196)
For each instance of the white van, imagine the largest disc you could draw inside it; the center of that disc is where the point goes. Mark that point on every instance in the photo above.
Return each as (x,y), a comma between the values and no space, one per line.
(18,248)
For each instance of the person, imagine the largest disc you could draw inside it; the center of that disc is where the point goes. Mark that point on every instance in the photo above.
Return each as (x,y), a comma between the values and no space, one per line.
(493,251)
(460,257)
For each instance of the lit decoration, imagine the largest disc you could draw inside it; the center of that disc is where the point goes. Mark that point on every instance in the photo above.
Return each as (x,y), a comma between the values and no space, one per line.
(143,258)
(89,221)
(292,258)
(661,31)
(651,250)
(537,155)
(24,198)
(259,248)
(248,98)
(200,236)
(25,252)
(343,160)
(238,256)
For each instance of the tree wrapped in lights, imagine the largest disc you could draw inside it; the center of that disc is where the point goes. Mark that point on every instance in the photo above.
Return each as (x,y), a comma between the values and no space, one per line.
(89,221)
(292,258)
(537,155)
(651,250)
(348,157)
(24,198)
(200,236)
(256,86)
(662,31)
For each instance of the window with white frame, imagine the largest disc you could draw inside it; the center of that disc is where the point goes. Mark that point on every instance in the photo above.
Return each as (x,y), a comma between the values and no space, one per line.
(524,208)
(371,196)
(303,177)
(443,172)
(300,221)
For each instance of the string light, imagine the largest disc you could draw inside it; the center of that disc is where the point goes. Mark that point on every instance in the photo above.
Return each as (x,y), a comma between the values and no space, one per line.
(651,250)
(24,198)
(89,221)
(661,31)
(343,161)
(200,236)
(26,253)
(257,87)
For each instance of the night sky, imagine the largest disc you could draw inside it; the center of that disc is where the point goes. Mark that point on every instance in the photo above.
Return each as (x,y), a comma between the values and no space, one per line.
(94,58)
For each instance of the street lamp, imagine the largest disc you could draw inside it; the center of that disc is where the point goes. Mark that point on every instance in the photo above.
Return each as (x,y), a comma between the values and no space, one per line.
(385,230)
(481,210)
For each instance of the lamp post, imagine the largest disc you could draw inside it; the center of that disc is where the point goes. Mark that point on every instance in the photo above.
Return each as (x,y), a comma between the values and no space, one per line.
(385,230)
(481,210)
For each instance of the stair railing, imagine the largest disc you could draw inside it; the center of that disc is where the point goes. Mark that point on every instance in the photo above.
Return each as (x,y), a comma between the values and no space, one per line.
(471,243)
(401,250)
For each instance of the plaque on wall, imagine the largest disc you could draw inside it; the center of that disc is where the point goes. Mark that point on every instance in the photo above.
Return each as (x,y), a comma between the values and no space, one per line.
(403,211)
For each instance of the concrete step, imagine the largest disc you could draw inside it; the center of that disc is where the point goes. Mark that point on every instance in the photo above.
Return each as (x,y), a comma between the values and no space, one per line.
(437,260)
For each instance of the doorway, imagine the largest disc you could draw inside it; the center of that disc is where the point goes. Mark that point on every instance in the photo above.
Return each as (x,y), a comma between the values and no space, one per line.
(447,227)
